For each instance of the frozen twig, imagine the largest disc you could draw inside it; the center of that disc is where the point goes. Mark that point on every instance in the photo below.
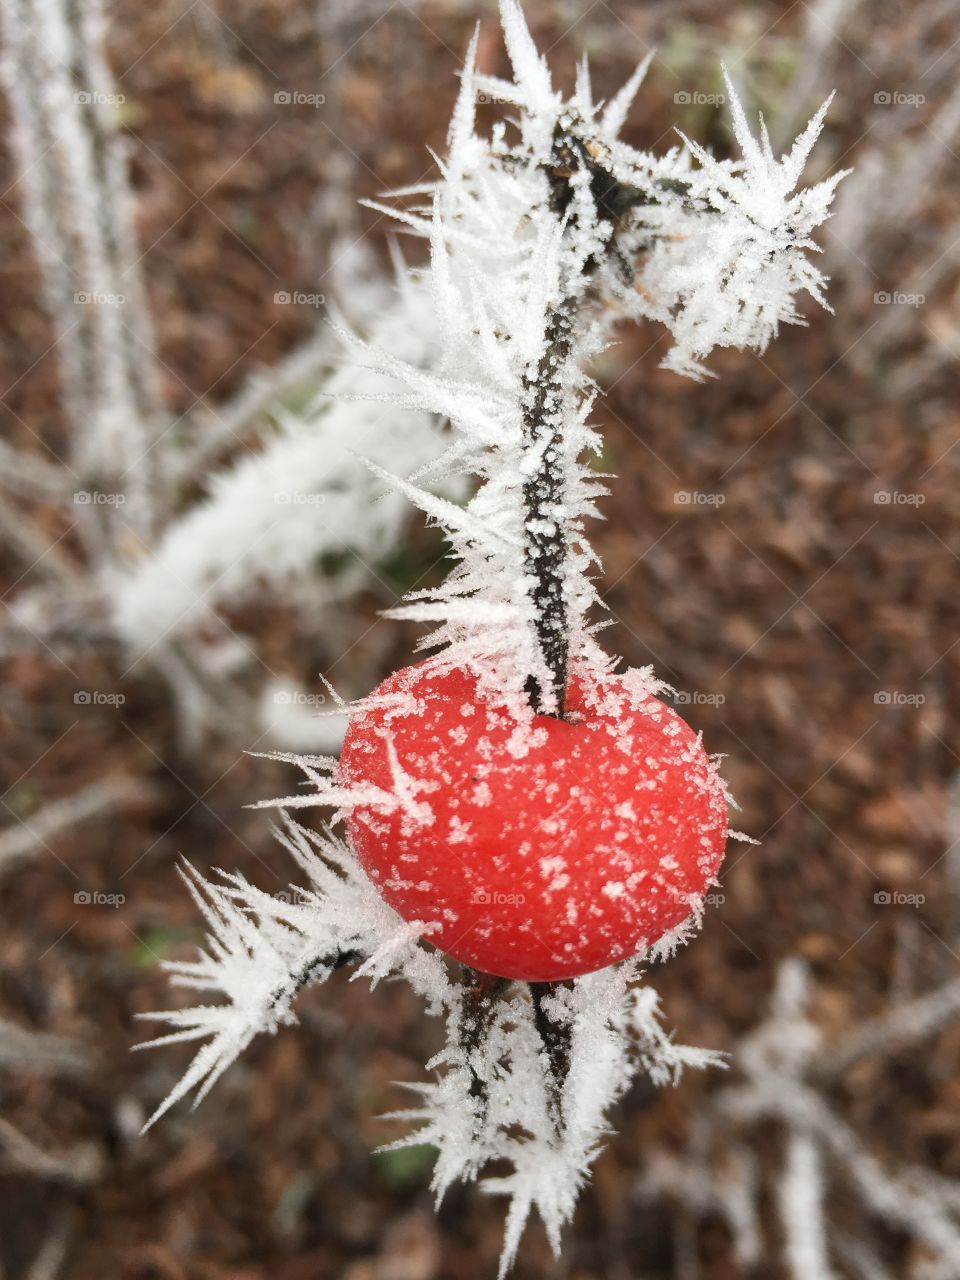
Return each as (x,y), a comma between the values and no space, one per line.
(305,495)
(802,1192)
(42,554)
(77,203)
(29,835)
(34,477)
(50,1260)
(222,430)
(897,1029)
(18,1153)
(782,1078)
(41,1053)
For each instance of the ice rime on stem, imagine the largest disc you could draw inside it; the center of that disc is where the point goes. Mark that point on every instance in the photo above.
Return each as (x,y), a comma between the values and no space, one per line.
(150,568)
(540,235)
(783,1072)
(78,207)
(497,1095)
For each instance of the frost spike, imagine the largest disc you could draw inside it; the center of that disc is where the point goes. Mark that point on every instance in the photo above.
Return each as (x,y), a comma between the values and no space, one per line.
(618,108)
(529,68)
(741,129)
(800,151)
(464,112)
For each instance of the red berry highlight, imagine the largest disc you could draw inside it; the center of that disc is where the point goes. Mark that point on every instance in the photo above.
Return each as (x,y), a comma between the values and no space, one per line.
(545,848)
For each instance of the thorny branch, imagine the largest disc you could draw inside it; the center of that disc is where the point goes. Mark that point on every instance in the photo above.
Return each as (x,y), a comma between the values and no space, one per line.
(545,551)
(555,1039)
(481,993)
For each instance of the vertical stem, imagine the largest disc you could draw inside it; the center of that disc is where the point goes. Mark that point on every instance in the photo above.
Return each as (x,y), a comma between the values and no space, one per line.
(481,992)
(79,208)
(556,1044)
(545,546)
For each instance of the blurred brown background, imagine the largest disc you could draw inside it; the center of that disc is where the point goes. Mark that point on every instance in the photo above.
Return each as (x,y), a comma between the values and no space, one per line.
(782,543)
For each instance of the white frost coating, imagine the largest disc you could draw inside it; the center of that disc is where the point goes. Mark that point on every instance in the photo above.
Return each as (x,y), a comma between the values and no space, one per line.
(730,280)
(801,1210)
(615,1036)
(270,516)
(263,949)
(783,1084)
(721,252)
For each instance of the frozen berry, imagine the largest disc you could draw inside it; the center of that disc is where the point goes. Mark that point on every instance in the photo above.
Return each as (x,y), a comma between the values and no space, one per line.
(543,848)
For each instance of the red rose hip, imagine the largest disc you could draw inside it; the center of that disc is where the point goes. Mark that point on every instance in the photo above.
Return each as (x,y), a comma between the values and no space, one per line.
(544,848)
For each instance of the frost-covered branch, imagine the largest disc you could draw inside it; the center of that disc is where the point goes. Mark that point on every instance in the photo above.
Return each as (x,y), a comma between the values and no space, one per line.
(263,950)
(541,235)
(32,476)
(29,835)
(899,1027)
(360,287)
(544,491)
(41,553)
(496,1095)
(783,1070)
(41,1052)
(272,514)
(21,1155)
(78,207)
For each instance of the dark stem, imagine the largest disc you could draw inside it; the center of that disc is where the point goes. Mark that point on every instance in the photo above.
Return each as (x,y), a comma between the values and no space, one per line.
(481,993)
(481,998)
(309,972)
(545,541)
(556,1044)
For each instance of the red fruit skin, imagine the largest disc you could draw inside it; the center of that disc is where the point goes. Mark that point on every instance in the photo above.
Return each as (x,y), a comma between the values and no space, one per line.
(541,863)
